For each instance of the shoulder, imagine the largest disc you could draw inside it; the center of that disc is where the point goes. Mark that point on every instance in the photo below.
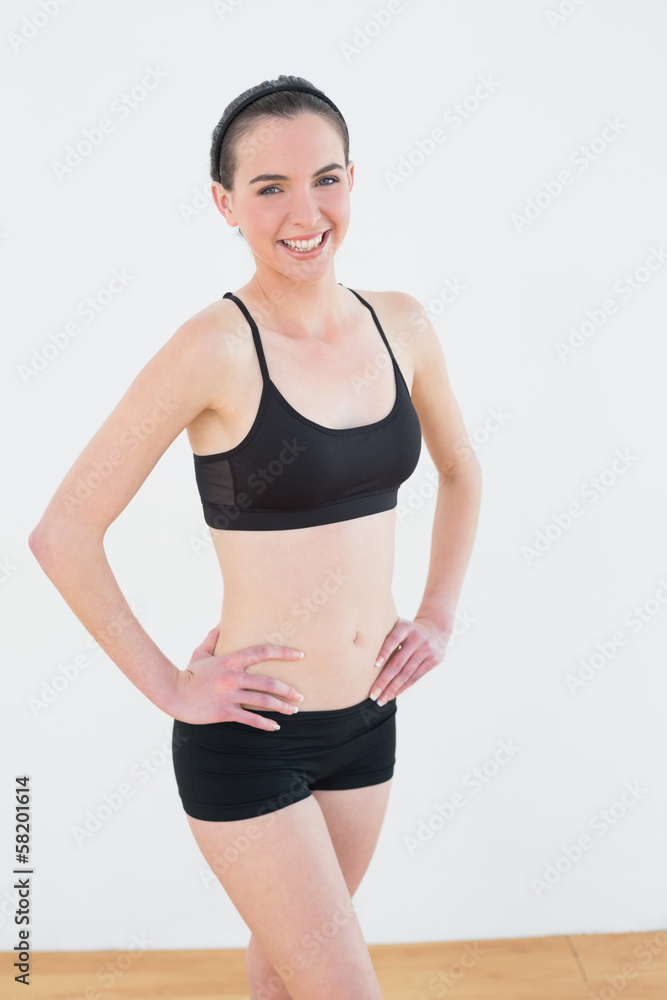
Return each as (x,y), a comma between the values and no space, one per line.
(209,327)
(210,340)
(406,324)
(400,309)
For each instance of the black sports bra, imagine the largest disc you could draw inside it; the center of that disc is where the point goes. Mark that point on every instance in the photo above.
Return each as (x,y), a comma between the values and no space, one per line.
(290,472)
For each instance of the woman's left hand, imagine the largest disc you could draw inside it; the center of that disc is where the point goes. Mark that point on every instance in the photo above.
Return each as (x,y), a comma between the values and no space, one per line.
(410,650)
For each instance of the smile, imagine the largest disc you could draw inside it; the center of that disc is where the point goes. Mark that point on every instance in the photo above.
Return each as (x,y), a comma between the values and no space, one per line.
(303,246)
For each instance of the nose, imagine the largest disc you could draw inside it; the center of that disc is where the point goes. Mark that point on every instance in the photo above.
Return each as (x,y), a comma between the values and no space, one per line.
(304,210)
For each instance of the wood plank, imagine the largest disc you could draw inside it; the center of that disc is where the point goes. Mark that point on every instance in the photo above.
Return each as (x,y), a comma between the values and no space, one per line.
(577,967)
(634,965)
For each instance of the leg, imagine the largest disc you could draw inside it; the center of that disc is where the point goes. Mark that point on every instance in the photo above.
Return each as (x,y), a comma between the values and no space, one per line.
(354,817)
(282,874)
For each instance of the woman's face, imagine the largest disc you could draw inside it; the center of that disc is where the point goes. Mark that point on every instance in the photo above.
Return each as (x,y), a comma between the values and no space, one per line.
(290,184)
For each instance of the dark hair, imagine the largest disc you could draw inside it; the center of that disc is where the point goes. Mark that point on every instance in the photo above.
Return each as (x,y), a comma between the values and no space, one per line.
(282,104)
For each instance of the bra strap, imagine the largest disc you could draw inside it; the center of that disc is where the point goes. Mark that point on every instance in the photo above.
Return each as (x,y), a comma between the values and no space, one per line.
(255,334)
(377,323)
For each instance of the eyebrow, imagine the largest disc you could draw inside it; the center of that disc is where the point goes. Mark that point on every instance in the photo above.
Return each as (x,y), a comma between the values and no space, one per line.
(282,177)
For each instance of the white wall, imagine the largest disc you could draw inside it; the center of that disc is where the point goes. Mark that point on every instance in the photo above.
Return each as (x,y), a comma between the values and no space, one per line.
(527,622)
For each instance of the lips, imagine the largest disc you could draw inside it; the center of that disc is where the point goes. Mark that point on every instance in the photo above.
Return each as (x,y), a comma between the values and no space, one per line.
(312,250)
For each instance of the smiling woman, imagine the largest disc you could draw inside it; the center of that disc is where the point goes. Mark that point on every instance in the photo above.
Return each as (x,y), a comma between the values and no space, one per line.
(284,731)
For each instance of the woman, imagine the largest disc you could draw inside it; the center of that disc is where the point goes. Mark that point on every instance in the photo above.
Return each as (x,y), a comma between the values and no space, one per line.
(284,719)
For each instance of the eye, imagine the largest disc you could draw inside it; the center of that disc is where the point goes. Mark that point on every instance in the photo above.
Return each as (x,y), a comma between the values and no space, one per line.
(269,190)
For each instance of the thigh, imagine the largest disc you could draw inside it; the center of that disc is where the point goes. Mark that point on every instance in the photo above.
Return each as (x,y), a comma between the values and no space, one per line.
(282,873)
(354,818)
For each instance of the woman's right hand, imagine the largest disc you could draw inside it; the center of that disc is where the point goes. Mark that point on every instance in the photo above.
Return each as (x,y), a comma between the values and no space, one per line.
(212,688)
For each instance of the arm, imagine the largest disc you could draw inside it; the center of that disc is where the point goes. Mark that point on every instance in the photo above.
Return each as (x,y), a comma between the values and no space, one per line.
(168,393)
(460,477)
(424,640)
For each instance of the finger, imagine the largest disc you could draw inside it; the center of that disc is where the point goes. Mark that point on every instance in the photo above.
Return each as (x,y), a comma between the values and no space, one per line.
(386,685)
(255,720)
(259,683)
(400,653)
(419,672)
(384,678)
(255,654)
(403,679)
(208,645)
(396,637)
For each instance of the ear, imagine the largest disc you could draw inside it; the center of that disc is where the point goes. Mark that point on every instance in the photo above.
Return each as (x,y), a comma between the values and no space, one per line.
(350,174)
(223,202)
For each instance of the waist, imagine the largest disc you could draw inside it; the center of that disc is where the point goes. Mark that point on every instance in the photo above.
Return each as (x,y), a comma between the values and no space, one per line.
(338,668)
(325,590)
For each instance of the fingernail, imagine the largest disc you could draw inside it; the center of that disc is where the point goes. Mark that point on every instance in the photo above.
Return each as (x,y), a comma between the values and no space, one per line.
(294,709)
(381,702)
(379,661)
(301,654)
(374,695)
(276,726)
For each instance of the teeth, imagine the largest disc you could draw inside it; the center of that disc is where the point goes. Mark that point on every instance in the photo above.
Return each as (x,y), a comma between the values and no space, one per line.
(304,244)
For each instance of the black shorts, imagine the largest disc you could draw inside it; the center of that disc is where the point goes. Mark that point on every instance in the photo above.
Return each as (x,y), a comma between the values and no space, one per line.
(230,770)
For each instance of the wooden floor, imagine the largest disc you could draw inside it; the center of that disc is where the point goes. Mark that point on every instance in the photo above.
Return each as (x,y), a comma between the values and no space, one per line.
(577,967)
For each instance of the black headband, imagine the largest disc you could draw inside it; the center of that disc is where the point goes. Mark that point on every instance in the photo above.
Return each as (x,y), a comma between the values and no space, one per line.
(255,97)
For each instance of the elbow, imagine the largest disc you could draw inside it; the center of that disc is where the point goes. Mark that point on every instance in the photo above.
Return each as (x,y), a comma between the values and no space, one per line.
(470,466)
(40,541)
(465,469)
(35,541)
(50,539)
(475,468)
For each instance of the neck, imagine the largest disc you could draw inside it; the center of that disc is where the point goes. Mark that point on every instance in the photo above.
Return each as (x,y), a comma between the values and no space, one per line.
(300,306)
